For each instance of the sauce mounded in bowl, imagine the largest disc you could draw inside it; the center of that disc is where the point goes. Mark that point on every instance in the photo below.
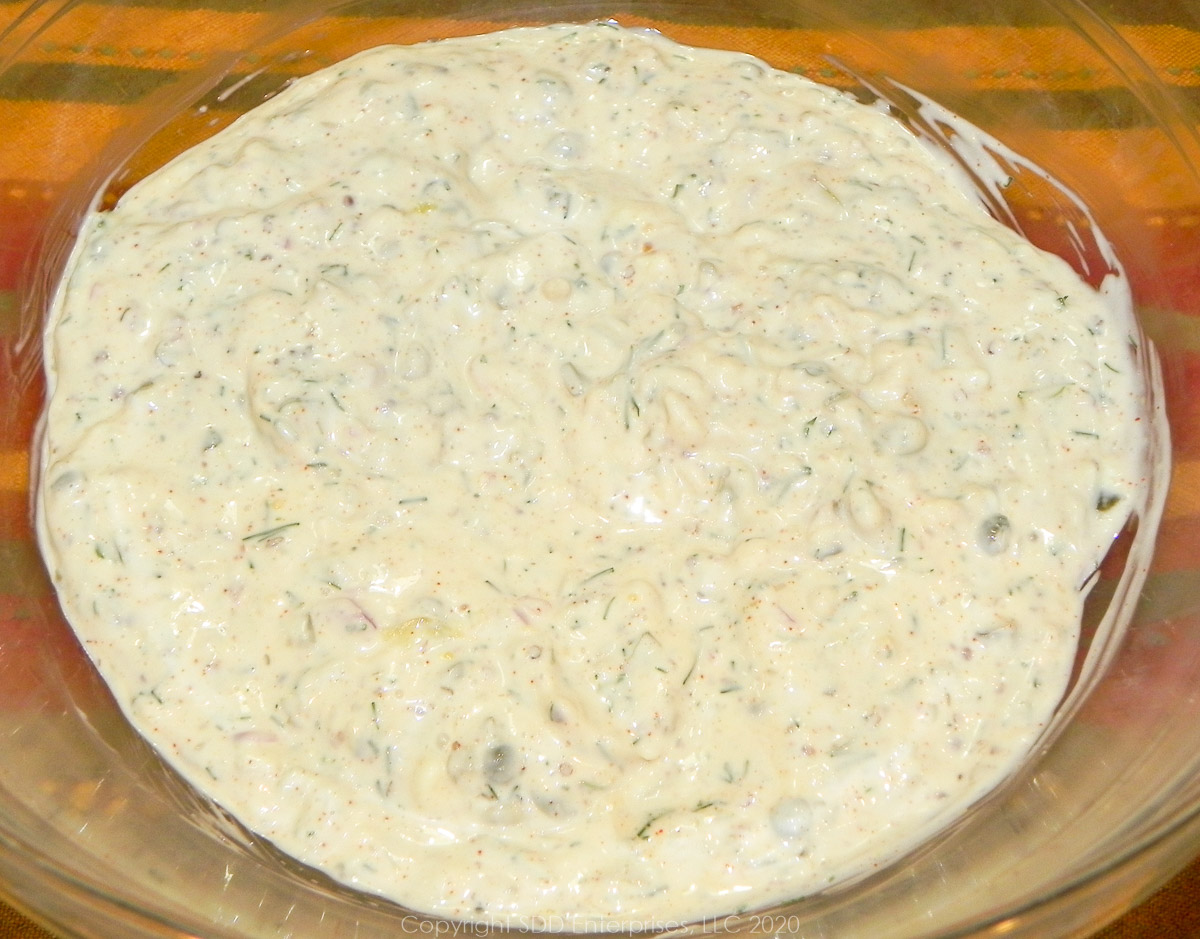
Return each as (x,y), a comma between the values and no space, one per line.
(563,473)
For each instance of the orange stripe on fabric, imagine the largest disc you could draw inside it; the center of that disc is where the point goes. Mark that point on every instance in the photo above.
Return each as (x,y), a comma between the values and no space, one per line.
(1001,56)
(14,470)
(100,34)
(1184,500)
(69,130)
(1142,170)
(1173,51)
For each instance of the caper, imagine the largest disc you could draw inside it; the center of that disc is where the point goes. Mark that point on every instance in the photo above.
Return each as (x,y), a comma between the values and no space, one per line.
(994,534)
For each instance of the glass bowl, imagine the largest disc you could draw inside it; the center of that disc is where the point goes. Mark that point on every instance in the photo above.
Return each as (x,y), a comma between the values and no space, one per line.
(98,837)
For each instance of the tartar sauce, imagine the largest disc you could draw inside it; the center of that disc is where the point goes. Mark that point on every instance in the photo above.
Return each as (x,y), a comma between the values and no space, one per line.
(562,472)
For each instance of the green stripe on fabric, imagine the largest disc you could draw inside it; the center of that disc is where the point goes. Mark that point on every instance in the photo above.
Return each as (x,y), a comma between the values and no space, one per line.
(1169,595)
(894,14)
(1073,109)
(813,13)
(89,84)
(21,571)
(1076,109)
(1174,331)
(8,314)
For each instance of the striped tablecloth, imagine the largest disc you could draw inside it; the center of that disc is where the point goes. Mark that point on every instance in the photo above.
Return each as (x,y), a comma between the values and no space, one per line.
(54,113)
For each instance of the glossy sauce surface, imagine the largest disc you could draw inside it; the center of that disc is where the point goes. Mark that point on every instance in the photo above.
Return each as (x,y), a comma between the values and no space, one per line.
(566,473)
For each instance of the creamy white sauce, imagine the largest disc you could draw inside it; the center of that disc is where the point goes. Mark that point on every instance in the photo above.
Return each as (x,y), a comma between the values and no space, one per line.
(567,473)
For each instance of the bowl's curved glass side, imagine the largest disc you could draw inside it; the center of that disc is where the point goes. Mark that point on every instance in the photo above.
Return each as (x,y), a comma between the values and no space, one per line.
(1132,742)
(1067,844)
(98,836)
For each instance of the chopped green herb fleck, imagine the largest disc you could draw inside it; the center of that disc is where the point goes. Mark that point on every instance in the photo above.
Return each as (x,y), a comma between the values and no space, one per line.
(261,535)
